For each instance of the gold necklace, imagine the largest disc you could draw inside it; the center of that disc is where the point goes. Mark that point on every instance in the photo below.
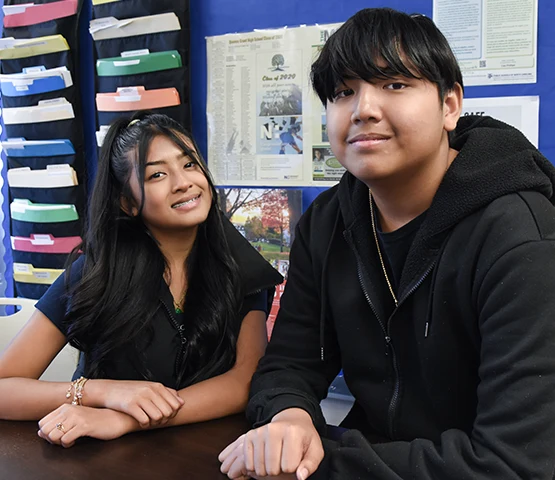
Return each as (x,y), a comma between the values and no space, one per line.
(379,251)
(178,305)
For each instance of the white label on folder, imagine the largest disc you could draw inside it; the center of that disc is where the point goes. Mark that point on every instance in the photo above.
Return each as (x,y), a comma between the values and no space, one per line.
(42,240)
(135,53)
(34,69)
(18,207)
(22,81)
(21,88)
(7,42)
(128,91)
(57,167)
(54,101)
(21,268)
(43,275)
(126,63)
(15,9)
(102,23)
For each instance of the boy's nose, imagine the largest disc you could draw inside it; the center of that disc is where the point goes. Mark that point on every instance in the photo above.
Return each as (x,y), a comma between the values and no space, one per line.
(367,105)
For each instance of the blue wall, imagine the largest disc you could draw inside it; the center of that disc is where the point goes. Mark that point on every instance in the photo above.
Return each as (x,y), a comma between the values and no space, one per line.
(217,17)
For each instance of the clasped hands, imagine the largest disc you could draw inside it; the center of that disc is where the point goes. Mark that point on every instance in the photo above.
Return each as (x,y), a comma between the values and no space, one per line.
(288,448)
(111,408)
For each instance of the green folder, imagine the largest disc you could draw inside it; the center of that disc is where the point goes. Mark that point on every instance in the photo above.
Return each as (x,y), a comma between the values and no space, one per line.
(151,62)
(27,211)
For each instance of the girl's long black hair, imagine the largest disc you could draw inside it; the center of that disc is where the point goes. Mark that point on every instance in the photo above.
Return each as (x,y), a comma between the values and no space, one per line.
(112,306)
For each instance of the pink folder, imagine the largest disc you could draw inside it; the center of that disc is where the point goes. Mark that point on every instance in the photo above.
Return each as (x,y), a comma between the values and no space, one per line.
(45,243)
(31,14)
(127,99)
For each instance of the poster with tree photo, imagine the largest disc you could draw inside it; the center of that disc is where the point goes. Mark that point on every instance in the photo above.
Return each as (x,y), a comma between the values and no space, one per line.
(266,217)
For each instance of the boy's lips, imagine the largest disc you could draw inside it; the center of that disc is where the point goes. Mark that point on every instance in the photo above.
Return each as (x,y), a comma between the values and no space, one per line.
(367,137)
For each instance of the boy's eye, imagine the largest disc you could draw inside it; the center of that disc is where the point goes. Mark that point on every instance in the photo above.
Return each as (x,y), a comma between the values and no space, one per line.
(395,86)
(343,92)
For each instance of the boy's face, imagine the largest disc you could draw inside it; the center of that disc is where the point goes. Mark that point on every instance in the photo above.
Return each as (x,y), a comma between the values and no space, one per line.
(391,129)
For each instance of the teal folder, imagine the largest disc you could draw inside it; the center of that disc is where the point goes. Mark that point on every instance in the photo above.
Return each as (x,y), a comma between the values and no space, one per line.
(150,62)
(27,211)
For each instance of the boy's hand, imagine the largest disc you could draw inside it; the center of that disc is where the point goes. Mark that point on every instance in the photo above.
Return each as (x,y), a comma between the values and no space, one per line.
(149,403)
(288,445)
(67,423)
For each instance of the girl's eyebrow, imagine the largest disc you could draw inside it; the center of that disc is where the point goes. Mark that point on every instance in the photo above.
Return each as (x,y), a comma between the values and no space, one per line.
(164,162)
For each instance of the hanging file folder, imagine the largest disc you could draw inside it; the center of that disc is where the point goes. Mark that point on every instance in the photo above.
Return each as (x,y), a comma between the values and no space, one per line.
(45,111)
(110,27)
(35,80)
(45,243)
(27,273)
(20,147)
(30,13)
(27,211)
(131,65)
(136,98)
(11,48)
(102,2)
(54,176)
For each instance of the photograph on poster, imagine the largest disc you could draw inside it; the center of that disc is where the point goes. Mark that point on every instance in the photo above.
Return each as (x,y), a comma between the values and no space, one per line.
(280,135)
(325,167)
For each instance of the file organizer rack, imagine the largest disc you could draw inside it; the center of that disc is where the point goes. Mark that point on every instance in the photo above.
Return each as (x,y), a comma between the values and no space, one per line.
(42,120)
(141,48)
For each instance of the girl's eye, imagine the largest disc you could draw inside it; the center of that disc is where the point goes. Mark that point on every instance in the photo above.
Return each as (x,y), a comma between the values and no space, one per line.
(156,175)
(395,86)
(190,165)
(342,93)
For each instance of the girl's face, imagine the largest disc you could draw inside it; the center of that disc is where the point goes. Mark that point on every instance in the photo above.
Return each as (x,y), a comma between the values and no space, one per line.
(177,194)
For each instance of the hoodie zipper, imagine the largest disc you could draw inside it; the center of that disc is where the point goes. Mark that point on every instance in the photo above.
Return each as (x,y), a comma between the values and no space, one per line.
(396,390)
(386,331)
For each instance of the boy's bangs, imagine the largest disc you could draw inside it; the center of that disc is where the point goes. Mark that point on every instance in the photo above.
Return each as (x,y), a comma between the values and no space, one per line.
(384,44)
(376,57)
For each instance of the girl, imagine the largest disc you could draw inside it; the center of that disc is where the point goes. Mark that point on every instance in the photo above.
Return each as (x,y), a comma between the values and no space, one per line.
(167,303)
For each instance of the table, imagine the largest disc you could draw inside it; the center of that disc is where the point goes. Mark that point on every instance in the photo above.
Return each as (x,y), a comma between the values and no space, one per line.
(187,452)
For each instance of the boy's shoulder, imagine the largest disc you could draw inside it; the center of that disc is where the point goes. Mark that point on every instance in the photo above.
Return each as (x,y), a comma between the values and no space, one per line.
(520,217)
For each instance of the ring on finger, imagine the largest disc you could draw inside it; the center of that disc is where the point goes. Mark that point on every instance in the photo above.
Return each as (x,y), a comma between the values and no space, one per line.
(60,427)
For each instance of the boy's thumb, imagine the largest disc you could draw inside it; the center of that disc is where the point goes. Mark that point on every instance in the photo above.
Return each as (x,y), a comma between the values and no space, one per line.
(310,462)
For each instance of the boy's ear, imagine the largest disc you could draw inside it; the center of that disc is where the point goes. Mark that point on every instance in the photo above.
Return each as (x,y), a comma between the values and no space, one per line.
(452,107)
(127,205)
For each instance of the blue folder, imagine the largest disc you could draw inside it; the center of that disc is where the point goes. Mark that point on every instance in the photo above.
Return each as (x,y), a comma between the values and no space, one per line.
(19,85)
(19,147)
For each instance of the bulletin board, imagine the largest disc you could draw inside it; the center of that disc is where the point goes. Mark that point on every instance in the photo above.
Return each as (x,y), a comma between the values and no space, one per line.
(219,17)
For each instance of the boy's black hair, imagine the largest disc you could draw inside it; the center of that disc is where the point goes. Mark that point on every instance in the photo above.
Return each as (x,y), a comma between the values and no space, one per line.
(410,45)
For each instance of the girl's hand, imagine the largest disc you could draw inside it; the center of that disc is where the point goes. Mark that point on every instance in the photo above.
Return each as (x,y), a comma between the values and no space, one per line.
(149,403)
(67,423)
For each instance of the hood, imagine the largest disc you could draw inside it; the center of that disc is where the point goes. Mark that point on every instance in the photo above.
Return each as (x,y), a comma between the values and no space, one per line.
(494,160)
(256,272)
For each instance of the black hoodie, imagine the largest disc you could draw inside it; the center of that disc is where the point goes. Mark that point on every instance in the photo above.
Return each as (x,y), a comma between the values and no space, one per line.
(460,379)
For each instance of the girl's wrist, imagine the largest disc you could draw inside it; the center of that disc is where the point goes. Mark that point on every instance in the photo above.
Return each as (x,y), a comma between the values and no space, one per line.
(93,394)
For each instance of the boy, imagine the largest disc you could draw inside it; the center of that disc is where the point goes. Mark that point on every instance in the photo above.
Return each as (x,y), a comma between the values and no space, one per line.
(427,274)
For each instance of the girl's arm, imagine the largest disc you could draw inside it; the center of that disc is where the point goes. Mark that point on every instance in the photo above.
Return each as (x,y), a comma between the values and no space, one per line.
(227,393)
(216,397)
(23,397)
